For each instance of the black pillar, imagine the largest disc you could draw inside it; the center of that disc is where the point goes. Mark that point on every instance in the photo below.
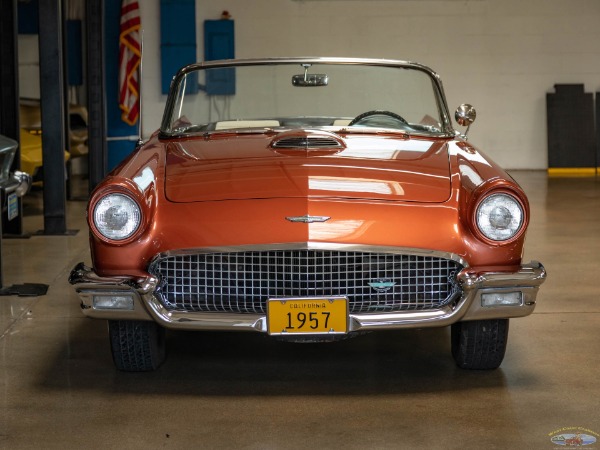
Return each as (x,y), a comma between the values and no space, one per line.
(95,92)
(9,93)
(9,122)
(597,103)
(9,112)
(52,105)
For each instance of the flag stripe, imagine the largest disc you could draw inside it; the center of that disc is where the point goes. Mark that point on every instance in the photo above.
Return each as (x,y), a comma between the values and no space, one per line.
(129,61)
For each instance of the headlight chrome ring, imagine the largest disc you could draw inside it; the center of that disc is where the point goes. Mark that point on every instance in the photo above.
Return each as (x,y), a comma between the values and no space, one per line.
(499,217)
(117,216)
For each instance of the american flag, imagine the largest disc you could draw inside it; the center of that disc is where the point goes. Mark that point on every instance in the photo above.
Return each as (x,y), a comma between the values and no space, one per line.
(129,61)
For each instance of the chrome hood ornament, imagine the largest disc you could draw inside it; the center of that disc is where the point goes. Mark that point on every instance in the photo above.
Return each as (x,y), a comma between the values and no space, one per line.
(308,219)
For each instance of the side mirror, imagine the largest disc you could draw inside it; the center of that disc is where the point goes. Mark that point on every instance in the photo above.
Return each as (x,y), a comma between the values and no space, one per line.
(465,115)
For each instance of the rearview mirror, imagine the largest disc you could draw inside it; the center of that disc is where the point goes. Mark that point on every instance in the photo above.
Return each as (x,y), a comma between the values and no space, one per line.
(306,80)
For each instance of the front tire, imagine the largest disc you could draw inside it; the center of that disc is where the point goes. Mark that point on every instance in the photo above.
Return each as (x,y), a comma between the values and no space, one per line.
(137,346)
(480,344)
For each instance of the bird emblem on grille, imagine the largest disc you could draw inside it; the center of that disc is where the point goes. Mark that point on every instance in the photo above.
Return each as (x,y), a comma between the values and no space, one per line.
(383,285)
(307,219)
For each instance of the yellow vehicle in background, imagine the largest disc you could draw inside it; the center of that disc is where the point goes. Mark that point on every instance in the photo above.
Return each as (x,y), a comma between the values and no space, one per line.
(31,137)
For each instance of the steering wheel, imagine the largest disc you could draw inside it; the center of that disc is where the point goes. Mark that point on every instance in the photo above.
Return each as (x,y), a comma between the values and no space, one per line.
(375,112)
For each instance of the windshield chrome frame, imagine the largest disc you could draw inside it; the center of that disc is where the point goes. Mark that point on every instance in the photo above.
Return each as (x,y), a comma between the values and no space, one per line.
(447,129)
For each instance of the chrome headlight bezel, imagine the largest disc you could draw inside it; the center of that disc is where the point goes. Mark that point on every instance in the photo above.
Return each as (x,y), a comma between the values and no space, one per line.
(116,217)
(500,217)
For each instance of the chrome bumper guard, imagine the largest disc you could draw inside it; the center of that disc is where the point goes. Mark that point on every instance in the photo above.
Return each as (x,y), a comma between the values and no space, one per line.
(146,306)
(20,183)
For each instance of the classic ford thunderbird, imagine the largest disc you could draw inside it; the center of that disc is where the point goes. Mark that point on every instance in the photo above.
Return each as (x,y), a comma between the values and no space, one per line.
(311,199)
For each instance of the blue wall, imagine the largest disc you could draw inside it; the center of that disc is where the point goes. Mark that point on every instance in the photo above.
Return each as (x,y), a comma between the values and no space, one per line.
(117,150)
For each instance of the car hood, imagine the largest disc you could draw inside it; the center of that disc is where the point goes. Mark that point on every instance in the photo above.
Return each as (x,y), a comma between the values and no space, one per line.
(230,166)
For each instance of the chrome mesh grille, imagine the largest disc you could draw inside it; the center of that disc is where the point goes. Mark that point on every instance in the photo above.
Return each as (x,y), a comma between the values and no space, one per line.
(242,282)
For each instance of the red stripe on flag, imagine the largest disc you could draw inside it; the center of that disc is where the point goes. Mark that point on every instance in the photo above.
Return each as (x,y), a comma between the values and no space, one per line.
(129,61)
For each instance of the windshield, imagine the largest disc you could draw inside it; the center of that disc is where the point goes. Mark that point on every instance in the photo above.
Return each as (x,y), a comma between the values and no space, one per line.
(347,97)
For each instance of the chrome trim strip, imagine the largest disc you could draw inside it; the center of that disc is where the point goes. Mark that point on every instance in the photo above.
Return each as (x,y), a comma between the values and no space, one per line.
(409,319)
(313,246)
(205,321)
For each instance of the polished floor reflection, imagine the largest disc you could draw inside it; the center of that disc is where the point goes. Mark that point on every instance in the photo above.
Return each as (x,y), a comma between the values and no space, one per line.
(59,389)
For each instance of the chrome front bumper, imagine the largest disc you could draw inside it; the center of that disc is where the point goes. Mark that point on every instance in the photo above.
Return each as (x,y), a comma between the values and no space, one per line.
(144,305)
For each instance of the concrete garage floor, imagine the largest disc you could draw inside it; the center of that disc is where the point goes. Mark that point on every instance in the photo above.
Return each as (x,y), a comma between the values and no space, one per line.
(59,389)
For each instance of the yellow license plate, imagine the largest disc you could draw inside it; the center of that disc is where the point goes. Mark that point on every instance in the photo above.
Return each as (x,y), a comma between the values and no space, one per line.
(308,316)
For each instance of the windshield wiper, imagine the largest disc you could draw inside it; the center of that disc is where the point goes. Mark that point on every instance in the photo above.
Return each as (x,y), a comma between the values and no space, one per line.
(184,129)
(191,130)
(374,131)
(236,132)
(426,128)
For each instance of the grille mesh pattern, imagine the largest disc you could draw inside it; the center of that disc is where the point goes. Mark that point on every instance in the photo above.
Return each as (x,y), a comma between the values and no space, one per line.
(242,282)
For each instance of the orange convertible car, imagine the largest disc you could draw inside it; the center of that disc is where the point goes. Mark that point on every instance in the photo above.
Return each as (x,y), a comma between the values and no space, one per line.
(310,199)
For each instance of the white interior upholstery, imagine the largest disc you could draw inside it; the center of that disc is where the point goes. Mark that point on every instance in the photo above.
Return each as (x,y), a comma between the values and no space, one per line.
(228,124)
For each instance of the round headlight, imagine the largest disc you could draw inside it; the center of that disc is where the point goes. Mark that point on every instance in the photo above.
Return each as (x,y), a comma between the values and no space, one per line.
(499,217)
(117,216)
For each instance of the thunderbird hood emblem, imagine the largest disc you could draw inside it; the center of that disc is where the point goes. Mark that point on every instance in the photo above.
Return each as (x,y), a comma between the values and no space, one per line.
(308,219)
(382,285)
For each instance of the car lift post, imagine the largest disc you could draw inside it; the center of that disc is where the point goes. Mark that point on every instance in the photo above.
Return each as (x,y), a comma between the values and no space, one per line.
(9,95)
(52,102)
(9,83)
(9,125)
(96,90)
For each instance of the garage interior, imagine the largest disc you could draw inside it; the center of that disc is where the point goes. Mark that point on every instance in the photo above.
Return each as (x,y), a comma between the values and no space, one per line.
(396,389)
